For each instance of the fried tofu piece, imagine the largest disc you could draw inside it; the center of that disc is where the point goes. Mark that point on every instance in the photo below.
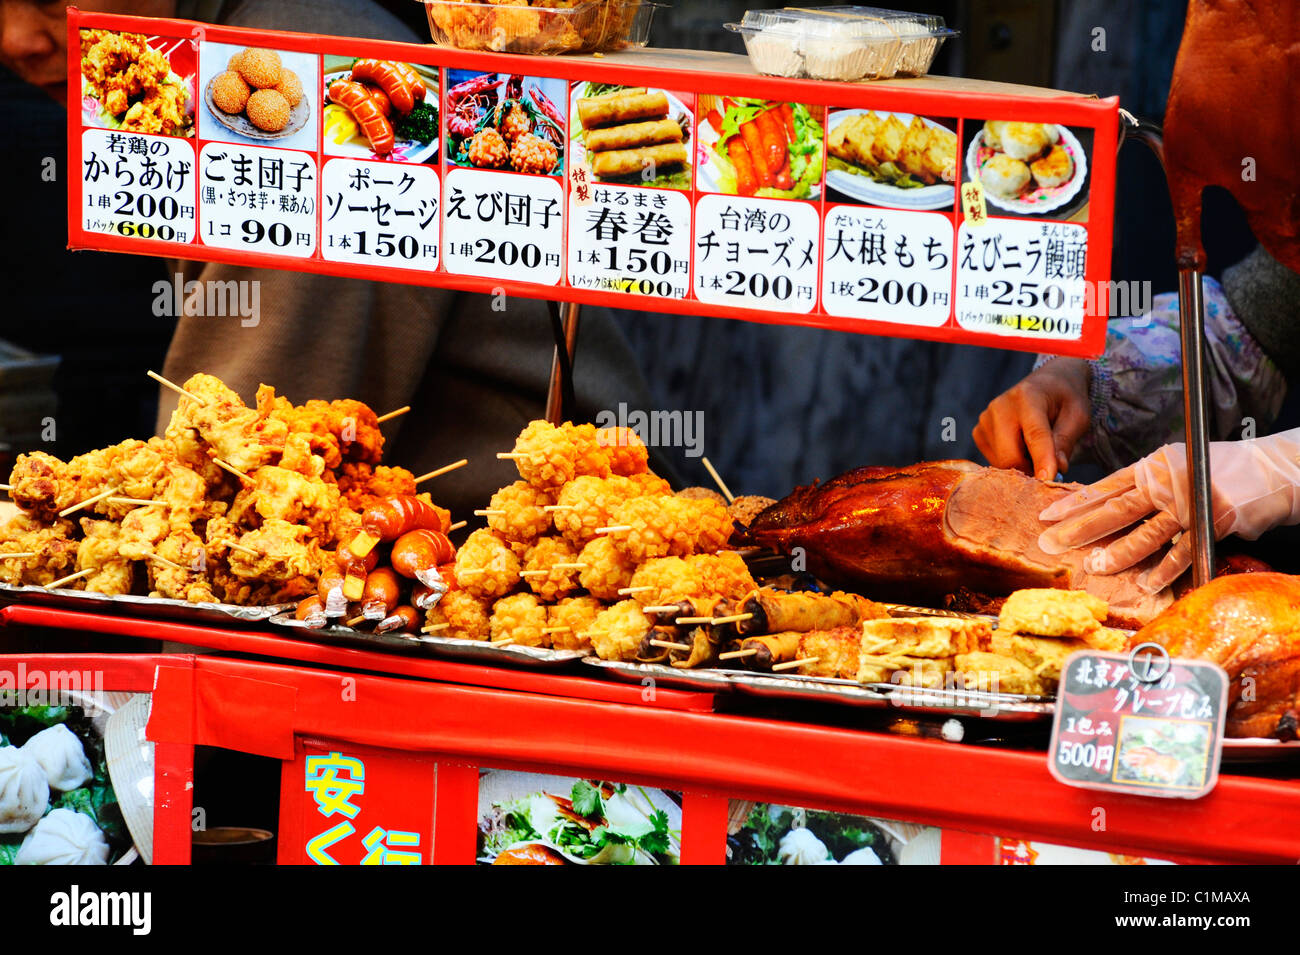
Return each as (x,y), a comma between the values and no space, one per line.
(931,637)
(995,673)
(1046,612)
(888,141)
(903,670)
(835,650)
(911,155)
(1044,656)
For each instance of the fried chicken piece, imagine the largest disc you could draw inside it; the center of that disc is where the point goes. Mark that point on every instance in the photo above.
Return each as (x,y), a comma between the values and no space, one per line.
(361,484)
(141,531)
(36,481)
(555,582)
(98,551)
(277,552)
(337,430)
(521,619)
(578,614)
(485,566)
(54,550)
(617,632)
(468,617)
(283,495)
(588,503)
(243,437)
(608,570)
(188,580)
(664,526)
(726,574)
(671,579)
(525,518)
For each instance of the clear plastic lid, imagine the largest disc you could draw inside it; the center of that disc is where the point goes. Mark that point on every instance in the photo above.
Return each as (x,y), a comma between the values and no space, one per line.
(841,22)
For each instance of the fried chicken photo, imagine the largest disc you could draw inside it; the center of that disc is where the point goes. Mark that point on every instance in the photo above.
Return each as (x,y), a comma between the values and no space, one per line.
(132,82)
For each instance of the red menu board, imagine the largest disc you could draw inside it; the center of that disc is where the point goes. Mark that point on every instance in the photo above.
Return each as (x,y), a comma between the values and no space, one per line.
(836,205)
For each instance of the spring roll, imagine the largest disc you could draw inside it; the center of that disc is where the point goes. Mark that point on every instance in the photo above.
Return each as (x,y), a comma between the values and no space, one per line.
(775,611)
(772,648)
(704,649)
(631,135)
(652,654)
(618,163)
(624,108)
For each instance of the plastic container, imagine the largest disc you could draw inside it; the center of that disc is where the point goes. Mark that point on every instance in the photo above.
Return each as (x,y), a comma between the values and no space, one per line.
(515,26)
(841,42)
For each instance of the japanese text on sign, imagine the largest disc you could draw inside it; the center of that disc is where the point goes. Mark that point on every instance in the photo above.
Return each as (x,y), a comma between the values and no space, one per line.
(380,213)
(138,185)
(334,781)
(258,200)
(761,253)
(631,240)
(499,225)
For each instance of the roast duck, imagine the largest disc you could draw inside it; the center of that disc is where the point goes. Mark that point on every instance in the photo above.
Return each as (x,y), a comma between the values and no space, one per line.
(931,530)
(1233,121)
(1249,624)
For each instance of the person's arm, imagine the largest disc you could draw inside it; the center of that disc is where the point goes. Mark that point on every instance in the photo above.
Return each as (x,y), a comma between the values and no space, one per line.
(1133,392)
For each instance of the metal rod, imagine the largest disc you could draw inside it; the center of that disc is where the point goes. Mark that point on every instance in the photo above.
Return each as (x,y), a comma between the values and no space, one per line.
(555,410)
(1191,323)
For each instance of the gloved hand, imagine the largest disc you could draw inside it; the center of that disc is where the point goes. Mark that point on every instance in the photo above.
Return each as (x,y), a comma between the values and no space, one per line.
(1255,485)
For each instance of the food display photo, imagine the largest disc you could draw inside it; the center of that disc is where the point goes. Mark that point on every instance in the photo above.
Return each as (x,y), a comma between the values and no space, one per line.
(258,96)
(535,819)
(754,147)
(506,121)
(138,83)
(633,135)
(1029,169)
(759,833)
(380,109)
(57,801)
(897,160)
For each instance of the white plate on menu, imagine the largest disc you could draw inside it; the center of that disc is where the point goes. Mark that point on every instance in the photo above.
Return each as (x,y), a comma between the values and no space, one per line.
(1039,199)
(404,150)
(707,172)
(941,195)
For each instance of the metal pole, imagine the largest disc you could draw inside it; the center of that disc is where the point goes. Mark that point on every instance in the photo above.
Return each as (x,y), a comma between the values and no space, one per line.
(1191,324)
(555,409)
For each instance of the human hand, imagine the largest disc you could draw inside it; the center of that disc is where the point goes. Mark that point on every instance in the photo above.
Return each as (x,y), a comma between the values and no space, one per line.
(1045,415)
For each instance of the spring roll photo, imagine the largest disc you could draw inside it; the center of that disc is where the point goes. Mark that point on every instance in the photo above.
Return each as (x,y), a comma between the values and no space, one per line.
(629,162)
(632,135)
(606,111)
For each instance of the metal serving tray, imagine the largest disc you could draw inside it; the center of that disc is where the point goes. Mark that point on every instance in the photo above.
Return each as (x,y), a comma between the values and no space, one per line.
(710,680)
(159,608)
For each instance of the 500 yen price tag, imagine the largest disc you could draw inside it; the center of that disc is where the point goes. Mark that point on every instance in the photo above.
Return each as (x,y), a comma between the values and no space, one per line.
(1139,722)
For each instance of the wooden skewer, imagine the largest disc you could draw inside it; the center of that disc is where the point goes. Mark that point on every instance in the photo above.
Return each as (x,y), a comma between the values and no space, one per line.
(354,621)
(489,513)
(457,526)
(669,646)
(684,621)
(559,507)
(240,547)
(556,629)
(569,566)
(431,628)
(628,591)
(661,608)
(501,643)
(614,529)
(791,664)
(442,470)
(734,618)
(510,455)
(534,573)
(71,577)
(26,553)
(6,487)
(163,560)
(393,414)
(138,501)
(176,388)
(726,492)
(737,654)
(87,502)
(232,469)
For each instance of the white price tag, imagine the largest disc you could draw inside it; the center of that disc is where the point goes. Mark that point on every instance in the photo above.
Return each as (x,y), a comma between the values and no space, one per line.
(258,200)
(633,240)
(756,253)
(1020,277)
(887,265)
(504,225)
(137,186)
(380,213)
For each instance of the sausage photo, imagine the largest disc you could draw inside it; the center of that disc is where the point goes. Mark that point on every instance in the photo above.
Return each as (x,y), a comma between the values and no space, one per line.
(388,78)
(413,79)
(405,619)
(382,594)
(417,554)
(353,97)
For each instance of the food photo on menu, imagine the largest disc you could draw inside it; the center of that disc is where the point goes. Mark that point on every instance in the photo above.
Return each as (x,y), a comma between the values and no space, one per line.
(753,147)
(1029,169)
(506,121)
(380,109)
(891,159)
(137,83)
(258,96)
(633,135)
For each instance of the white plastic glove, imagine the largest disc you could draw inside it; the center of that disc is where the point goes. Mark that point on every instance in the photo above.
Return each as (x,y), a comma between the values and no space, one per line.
(1255,487)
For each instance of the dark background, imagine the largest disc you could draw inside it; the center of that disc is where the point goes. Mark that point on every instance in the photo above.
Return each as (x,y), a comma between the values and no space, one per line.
(781,405)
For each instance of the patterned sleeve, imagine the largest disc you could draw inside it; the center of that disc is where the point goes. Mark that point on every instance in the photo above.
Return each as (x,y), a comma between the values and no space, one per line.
(1137,385)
